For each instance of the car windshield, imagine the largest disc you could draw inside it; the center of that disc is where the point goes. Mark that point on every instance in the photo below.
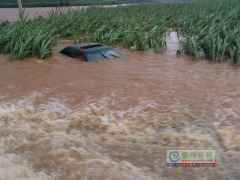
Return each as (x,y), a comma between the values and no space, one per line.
(102,54)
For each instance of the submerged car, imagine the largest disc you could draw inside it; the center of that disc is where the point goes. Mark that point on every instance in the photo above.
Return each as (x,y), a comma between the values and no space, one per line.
(91,51)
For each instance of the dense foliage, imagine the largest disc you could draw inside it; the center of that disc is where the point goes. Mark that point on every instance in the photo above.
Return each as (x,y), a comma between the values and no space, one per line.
(211,29)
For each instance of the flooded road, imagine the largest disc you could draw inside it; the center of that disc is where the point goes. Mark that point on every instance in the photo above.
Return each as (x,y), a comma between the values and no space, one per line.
(63,118)
(12,14)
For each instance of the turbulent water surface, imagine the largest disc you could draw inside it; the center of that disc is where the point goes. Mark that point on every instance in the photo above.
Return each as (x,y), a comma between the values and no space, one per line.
(63,118)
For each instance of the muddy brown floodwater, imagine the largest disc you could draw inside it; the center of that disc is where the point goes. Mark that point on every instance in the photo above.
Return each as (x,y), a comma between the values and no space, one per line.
(63,118)
(11,14)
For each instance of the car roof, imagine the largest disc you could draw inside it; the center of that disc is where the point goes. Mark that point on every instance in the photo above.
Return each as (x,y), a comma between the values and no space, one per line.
(84,49)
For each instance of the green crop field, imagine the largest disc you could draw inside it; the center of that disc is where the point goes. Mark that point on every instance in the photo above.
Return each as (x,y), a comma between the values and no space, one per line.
(210,29)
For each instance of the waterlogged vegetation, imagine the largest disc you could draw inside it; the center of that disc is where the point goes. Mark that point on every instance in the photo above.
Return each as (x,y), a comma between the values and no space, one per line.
(208,29)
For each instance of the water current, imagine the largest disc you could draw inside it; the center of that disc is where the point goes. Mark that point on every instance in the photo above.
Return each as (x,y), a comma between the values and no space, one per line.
(63,118)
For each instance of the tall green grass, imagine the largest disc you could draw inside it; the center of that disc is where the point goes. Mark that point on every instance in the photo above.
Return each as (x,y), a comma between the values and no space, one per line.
(213,30)
(27,38)
(210,29)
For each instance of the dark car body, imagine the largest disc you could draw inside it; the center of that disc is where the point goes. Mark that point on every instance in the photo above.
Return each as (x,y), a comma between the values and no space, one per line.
(91,51)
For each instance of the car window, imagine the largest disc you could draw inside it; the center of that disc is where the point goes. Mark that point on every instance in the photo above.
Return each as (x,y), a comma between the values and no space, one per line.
(102,54)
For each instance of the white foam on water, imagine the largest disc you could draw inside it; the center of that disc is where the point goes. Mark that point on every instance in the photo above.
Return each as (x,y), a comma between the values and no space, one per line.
(69,135)
(15,167)
(12,167)
(5,96)
(145,120)
(84,160)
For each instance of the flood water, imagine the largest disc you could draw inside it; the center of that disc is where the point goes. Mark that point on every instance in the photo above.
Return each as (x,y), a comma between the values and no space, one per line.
(11,14)
(63,118)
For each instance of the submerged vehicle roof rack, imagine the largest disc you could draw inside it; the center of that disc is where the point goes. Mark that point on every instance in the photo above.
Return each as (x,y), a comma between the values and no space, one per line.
(91,46)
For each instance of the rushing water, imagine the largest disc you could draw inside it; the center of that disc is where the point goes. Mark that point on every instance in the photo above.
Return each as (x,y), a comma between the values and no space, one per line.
(63,118)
